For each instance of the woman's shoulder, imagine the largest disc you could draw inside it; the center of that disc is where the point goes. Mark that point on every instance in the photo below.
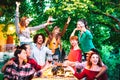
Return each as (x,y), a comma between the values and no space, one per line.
(88,32)
(77,50)
(92,69)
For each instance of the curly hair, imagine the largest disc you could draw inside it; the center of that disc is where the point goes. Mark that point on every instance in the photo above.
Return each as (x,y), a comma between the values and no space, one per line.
(36,37)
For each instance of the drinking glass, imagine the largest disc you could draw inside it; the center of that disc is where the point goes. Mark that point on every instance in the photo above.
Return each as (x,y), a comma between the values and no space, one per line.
(50,59)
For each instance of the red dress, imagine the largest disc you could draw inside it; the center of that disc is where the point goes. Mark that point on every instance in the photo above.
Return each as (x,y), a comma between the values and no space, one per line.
(75,55)
(90,75)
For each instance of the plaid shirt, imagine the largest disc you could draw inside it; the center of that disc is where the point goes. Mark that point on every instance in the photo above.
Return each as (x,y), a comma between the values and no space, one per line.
(32,62)
(14,72)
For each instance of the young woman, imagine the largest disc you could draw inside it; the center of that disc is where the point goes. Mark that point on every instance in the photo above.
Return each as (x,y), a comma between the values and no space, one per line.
(85,37)
(75,54)
(19,69)
(94,66)
(22,29)
(54,39)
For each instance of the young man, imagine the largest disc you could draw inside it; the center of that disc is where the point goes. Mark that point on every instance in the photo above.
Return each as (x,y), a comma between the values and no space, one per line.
(39,50)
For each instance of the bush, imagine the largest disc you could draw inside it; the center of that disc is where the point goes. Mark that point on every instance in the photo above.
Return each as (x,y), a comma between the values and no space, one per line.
(111,58)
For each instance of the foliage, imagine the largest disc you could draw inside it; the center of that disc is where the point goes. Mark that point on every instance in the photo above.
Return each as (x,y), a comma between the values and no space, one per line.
(111,58)
(6,58)
(103,17)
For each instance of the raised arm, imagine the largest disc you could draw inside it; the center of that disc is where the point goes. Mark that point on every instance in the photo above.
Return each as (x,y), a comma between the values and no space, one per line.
(17,18)
(46,30)
(42,25)
(65,26)
(73,33)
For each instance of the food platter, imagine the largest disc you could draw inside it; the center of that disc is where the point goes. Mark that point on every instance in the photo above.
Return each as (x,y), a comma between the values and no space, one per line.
(61,74)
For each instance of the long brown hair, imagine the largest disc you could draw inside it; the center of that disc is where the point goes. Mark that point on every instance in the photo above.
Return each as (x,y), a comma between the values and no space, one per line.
(58,36)
(89,63)
(22,21)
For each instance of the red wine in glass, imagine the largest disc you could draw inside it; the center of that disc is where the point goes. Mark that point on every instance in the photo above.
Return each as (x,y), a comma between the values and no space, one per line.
(50,61)
(55,57)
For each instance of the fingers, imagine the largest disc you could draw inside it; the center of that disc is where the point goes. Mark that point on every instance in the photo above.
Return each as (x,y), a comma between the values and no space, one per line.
(49,18)
(76,29)
(17,3)
(69,19)
(49,22)
(10,62)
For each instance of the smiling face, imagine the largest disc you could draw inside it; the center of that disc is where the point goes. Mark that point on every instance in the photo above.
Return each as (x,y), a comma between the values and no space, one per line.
(39,39)
(73,42)
(56,30)
(23,55)
(80,25)
(27,22)
(94,59)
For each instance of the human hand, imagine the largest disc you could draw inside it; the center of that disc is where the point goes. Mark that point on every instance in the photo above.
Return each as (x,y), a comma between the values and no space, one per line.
(71,69)
(68,20)
(10,62)
(49,21)
(76,29)
(79,65)
(18,4)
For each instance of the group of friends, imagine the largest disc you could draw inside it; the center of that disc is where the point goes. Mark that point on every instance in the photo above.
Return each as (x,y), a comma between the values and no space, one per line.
(31,57)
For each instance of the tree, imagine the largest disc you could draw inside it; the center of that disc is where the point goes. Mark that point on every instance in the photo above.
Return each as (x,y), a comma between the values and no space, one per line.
(103,17)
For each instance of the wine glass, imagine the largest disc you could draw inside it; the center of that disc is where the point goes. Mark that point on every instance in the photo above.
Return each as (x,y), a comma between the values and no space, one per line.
(50,59)
(55,58)
(66,58)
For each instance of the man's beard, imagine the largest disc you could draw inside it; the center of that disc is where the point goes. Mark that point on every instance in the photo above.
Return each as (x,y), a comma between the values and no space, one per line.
(40,43)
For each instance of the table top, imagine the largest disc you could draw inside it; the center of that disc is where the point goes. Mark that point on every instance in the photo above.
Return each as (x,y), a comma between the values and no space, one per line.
(61,74)
(55,78)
